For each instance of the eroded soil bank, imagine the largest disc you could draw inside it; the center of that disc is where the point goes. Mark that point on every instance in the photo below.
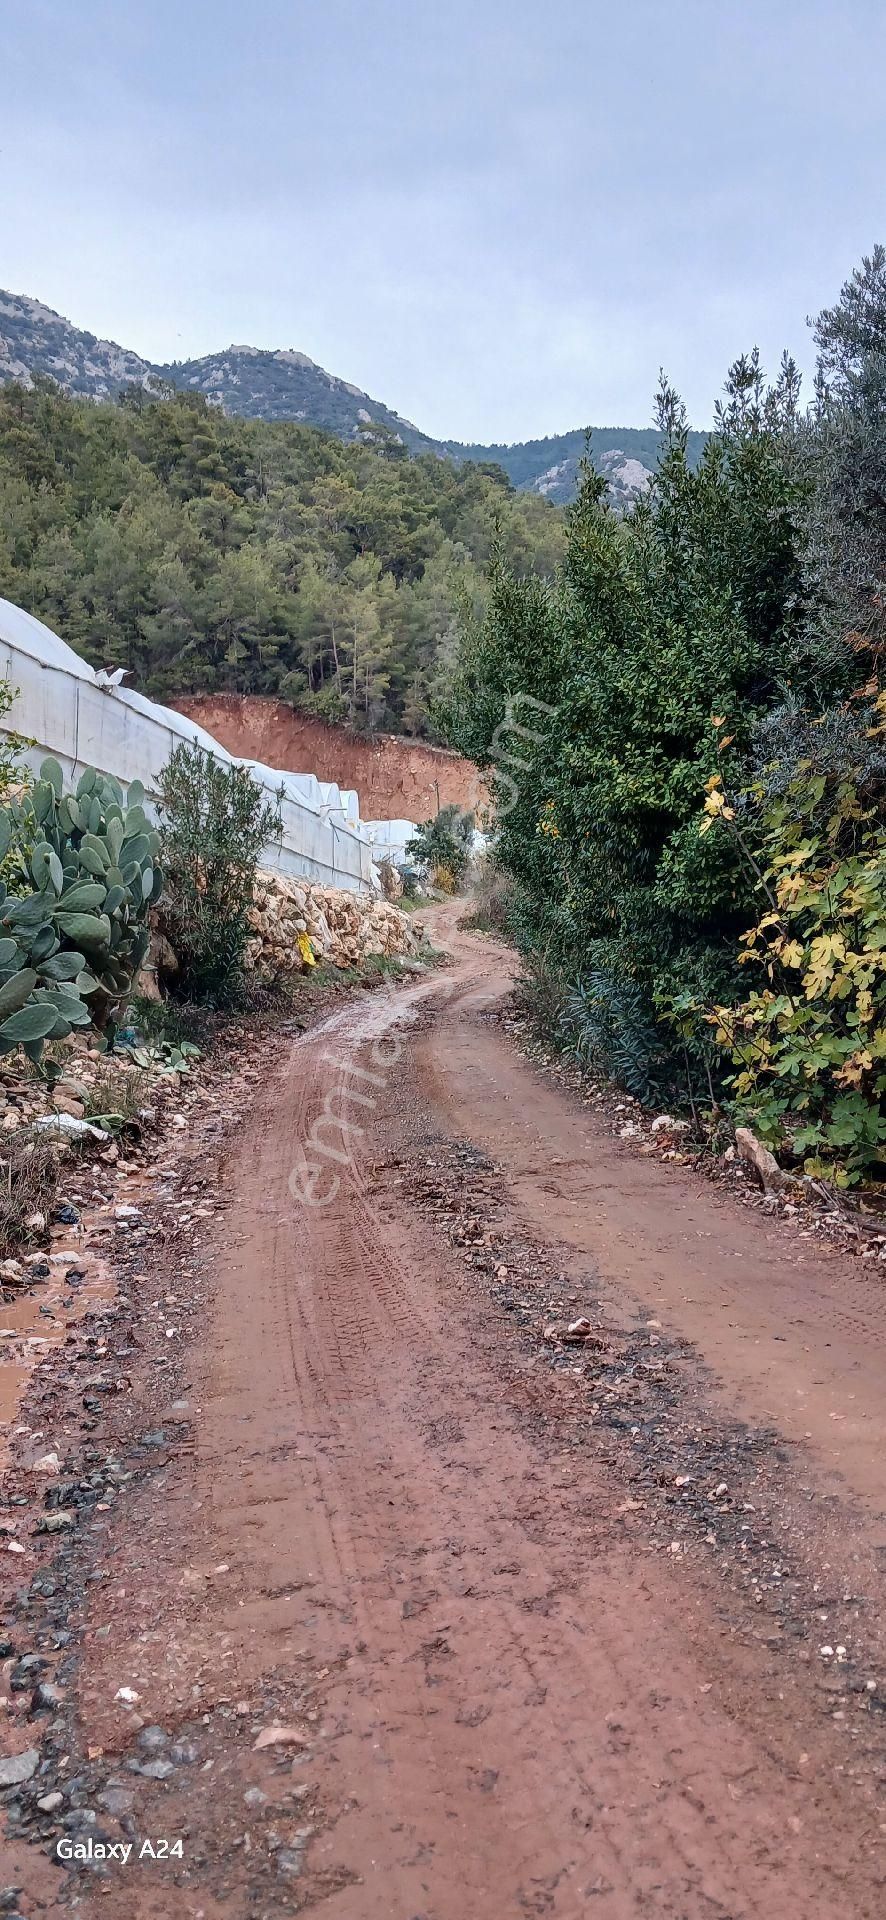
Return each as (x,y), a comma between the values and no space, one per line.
(501,1533)
(396,778)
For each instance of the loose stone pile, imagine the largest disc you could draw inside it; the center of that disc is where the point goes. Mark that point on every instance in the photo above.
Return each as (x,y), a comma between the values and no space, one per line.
(294,923)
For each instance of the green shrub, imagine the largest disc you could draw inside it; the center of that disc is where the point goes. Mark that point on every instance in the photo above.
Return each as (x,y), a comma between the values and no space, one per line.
(444,844)
(80,879)
(611,1026)
(728,633)
(808,1043)
(173,1023)
(214,823)
(691,606)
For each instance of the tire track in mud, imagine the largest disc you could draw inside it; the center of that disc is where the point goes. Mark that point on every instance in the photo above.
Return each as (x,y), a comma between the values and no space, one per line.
(559,1673)
(796,1331)
(402,1536)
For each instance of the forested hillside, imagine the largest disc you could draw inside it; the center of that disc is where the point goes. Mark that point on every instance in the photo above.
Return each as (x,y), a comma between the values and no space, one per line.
(204,553)
(551,466)
(696,844)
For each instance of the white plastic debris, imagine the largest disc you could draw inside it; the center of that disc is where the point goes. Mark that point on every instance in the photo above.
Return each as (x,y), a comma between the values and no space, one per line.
(69,1127)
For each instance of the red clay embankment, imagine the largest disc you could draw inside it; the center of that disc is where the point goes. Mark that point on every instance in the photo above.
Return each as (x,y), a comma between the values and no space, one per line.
(396,778)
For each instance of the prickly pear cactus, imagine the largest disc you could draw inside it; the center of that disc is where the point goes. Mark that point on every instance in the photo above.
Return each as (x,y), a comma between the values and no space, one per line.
(81,877)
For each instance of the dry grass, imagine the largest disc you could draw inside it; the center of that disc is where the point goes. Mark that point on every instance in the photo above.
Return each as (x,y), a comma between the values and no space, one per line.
(28,1179)
(119,1090)
(491,898)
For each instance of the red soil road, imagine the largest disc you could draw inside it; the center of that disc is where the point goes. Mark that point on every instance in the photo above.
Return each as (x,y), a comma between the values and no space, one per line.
(799,1339)
(396,778)
(507,1701)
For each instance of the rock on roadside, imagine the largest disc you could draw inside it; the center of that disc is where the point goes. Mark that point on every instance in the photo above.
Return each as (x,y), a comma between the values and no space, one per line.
(760,1160)
(18,1767)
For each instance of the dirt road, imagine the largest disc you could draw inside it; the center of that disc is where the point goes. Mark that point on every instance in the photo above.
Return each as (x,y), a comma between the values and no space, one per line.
(443,1615)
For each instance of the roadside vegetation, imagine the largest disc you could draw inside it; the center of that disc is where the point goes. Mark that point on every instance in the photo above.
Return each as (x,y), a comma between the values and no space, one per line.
(490,908)
(214,823)
(696,852)
(80,874)
(441,848)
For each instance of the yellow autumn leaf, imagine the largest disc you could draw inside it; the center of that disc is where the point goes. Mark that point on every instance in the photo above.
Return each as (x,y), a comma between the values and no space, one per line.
(825,950)
(852,1070)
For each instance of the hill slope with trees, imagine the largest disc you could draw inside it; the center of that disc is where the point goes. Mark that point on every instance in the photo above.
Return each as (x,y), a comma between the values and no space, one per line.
(552,466)
(204,553)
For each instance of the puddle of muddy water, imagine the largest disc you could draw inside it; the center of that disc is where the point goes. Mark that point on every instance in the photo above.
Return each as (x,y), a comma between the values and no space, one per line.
(37,1321)
(12,1383)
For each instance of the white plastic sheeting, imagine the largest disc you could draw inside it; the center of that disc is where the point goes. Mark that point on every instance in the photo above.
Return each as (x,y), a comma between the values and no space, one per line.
(389,838)
(61,704)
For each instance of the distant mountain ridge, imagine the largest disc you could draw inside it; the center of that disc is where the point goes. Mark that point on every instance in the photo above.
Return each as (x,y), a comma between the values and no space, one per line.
(34,340)
(285,384)
(265,384)
(626,455)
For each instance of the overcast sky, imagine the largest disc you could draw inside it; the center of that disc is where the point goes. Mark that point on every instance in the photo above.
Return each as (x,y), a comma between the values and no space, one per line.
(499,216)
